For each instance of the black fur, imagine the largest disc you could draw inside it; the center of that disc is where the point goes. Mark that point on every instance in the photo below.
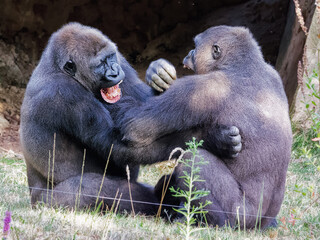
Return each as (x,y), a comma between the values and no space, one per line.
(70,106)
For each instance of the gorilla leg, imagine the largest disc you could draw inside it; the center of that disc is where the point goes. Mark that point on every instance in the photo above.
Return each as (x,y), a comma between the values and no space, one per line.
(218,218)
(113,190)
(36,182)
(226,194)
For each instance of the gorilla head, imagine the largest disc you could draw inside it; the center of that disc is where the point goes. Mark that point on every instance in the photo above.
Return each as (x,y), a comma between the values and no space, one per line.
(214,49)
(97,68)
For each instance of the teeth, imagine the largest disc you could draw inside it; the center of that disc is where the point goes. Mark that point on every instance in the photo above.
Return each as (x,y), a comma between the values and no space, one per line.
(113,92)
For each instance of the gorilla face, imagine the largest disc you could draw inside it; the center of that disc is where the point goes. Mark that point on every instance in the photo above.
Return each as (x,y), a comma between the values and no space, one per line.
(91,59)
(205,57)
(111,75)
(214,49)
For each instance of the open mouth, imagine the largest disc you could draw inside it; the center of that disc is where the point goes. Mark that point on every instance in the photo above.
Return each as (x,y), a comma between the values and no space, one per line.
(111,94)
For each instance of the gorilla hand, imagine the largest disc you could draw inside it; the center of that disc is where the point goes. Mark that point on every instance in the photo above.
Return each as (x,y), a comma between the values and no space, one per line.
(160,74)
(226,141)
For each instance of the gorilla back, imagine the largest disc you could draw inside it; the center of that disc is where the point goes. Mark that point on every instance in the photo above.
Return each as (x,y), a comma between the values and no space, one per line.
(233,85)
(68,97)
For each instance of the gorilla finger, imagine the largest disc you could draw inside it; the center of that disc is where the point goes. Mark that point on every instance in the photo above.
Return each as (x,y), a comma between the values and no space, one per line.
(154,86)
(157,80)
(150,71)
(236,139)
(234,155)
(237,148)
(234,131)
(169,68)
(148,77)
(163,74)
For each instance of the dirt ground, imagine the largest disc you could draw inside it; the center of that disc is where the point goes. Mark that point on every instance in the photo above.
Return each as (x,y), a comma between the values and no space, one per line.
(10,102)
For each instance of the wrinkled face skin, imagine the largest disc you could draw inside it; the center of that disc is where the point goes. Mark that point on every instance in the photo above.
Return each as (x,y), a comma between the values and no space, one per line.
(207,53)
(111,75)
(188,61)
(92,60)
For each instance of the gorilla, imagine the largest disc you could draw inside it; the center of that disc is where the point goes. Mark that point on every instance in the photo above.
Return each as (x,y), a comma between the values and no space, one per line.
(67,130)
(233,85)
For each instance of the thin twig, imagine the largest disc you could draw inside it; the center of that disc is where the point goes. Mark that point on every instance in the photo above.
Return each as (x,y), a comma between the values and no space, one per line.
(128,176)
(314,201)
(103,177)
(300,17)
(114,200)
(78,199)
(53,160)
(48,179)
(300,77)
(118,203)
(164,191)
(244,210)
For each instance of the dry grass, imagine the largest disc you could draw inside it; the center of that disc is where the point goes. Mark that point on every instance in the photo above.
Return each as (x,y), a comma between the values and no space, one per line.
(299,217)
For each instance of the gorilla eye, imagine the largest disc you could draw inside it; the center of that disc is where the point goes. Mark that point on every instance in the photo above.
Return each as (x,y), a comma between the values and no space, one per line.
(70,68)
(216,52)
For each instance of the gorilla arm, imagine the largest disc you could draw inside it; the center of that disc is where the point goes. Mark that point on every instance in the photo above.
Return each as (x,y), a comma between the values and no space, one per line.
(94,129)
(77,114)
(183,106)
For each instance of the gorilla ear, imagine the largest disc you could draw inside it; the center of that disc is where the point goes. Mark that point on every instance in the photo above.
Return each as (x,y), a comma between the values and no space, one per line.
(216,52)
(70,68)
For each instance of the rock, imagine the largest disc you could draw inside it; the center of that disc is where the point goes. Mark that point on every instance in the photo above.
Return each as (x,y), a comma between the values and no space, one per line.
(4,123)
(15,65)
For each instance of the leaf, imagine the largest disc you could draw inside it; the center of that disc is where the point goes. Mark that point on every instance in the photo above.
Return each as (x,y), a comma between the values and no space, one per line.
(316,95)
(308,86)
(98,208)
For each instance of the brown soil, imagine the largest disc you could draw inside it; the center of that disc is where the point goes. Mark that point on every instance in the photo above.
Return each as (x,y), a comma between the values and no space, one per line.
(10,102)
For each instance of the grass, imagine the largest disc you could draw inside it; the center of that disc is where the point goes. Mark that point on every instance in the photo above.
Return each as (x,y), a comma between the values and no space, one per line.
(299,217)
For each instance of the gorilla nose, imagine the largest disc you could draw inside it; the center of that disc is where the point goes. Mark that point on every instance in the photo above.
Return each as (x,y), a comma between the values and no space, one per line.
(188,61)
(114,74)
